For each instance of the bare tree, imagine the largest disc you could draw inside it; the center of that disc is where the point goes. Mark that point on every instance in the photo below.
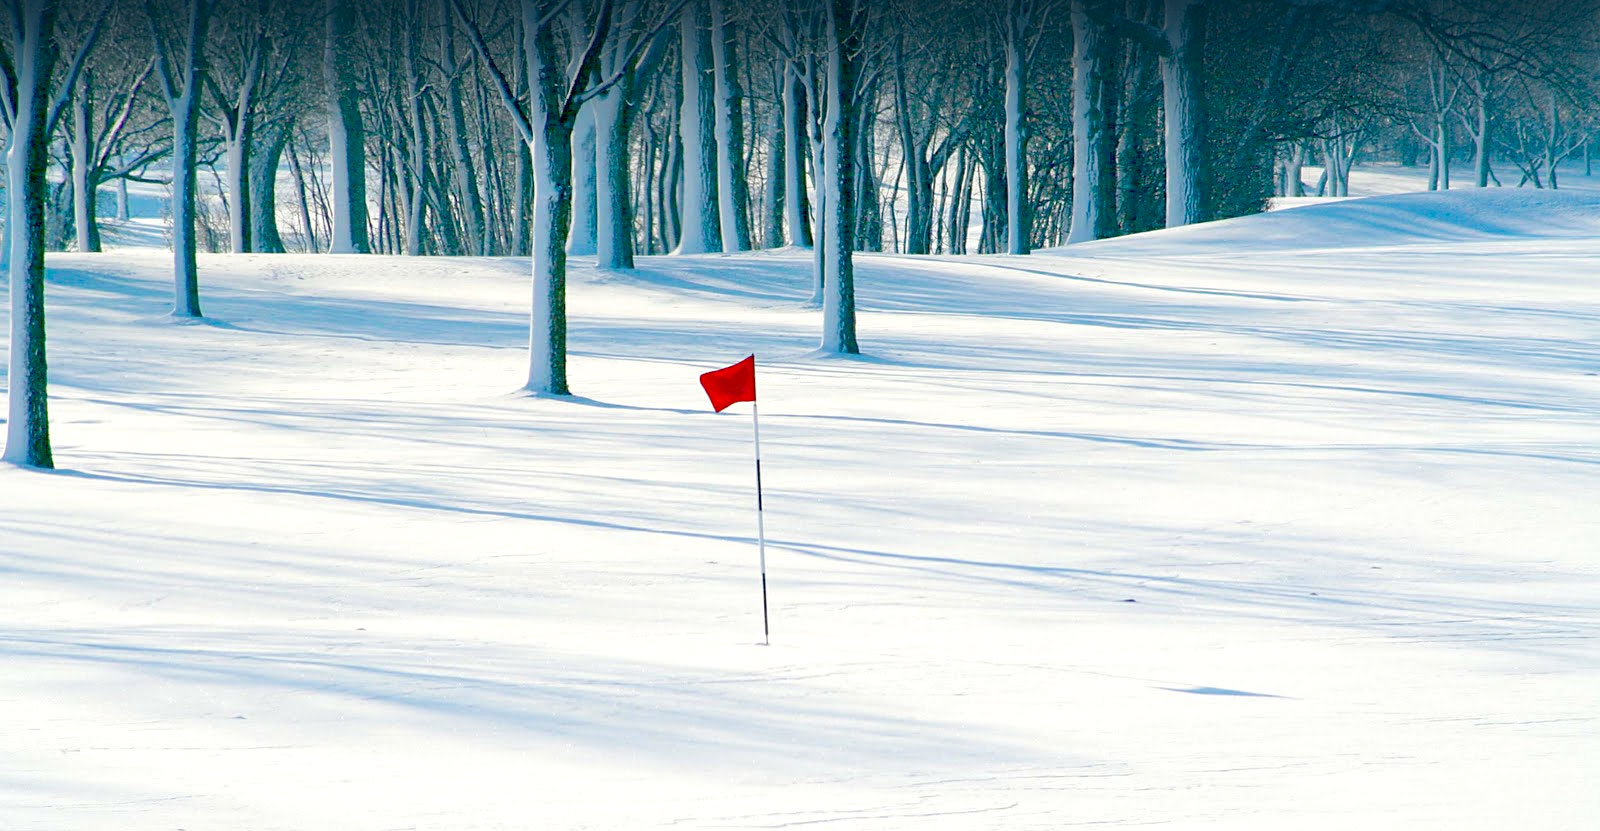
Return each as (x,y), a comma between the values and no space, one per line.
(563,73)
(178,29)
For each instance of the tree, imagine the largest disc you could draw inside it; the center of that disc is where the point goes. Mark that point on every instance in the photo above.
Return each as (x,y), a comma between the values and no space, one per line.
(563,74)
(346,135)
(733,187)
(96,138)
(179,36)
(27,65)
(843,25)
(701,216)
(1020,37)
(1093,211)
(254,47)
(615,112)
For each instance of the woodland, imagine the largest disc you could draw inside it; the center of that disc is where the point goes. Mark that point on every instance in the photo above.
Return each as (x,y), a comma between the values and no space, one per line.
(619,128)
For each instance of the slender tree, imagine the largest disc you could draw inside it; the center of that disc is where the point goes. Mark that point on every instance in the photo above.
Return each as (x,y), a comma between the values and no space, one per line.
(181,68)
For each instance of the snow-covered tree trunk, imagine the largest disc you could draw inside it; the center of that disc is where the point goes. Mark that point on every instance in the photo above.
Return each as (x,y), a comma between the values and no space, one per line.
(1016,138)
(32,61)
(238,119)
(84,181)
(1433,166)
(839,216)
(1184,108)
(182,70)
(1297,161)
(557,87)
(733,188)
(236,153)
(1091,140)
(584,184)
(550,151)
(347,155)
(552,216)
(700,226)
(796,222)
(816,109)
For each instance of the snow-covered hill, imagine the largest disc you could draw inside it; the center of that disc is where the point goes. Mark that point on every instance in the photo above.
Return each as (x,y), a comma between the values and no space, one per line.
(1283,522)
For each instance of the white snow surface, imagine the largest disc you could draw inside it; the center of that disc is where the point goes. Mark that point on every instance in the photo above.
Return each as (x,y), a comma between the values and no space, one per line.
(1281,522)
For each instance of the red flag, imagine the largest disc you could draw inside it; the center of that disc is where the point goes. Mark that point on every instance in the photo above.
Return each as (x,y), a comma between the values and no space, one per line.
(731,384)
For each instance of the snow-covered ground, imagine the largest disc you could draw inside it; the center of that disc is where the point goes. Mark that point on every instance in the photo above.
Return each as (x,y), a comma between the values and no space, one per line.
(1282,522)
(1389,178)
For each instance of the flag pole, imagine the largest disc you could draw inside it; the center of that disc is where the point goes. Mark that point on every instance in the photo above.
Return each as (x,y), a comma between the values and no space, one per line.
(761,528)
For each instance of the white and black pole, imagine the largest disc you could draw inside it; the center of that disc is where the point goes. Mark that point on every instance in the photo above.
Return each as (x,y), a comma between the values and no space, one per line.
(724,387)
(761,528)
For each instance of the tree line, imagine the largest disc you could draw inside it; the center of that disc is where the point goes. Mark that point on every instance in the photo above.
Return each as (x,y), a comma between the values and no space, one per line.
(614,128)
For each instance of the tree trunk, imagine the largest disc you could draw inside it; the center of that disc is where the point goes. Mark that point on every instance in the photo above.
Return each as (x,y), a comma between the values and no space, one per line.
(416,162)
(733,186)
(264,236)
(551,155)
(699,229)
(1443,148)
(1551,159)
(613,122)
(1091,140)
(85,179)
(794,161)
(868,212)
(237,154)
(1480,161)
(919,173)
(839,305)
(581,241)
(1136,203)
(1293,165)
(347,154)
(185,124)
(1017,230)
(464,172)
(304,204)
(672,180)
(772,224)
(816,102)
(27,155)
(522,196)
(1184,106)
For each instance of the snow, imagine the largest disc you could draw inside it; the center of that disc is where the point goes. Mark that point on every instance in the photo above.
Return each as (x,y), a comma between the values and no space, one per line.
(1388,178)
(1278,522)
